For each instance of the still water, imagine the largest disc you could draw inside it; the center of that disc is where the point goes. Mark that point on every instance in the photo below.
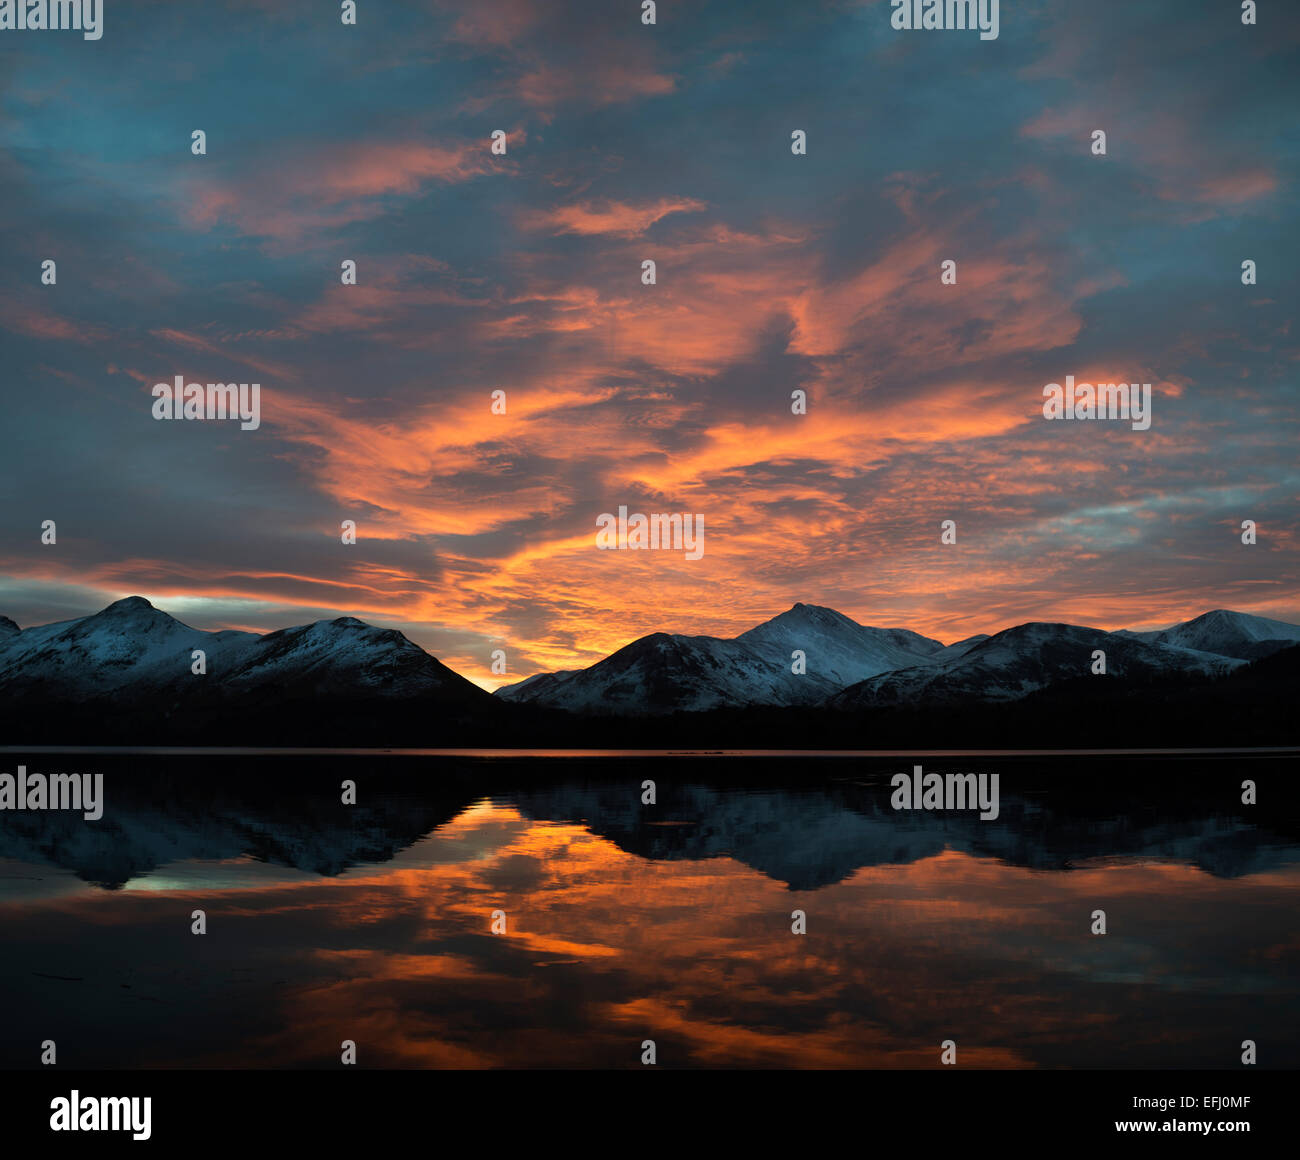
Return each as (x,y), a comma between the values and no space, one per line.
(671,922)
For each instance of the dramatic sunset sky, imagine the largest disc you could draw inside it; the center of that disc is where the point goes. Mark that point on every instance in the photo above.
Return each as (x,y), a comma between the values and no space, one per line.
(775,272)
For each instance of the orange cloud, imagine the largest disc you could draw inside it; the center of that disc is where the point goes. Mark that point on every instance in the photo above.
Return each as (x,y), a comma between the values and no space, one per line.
(608,217)
(325,187)
(604,82)
(20,316)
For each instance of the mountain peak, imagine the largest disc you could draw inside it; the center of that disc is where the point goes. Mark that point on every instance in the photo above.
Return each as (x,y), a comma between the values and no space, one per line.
(803,611)
(1243,635)
(131,604)
(8,627)
(128,614)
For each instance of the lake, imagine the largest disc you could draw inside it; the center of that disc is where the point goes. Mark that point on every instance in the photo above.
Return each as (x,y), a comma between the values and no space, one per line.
(619,922)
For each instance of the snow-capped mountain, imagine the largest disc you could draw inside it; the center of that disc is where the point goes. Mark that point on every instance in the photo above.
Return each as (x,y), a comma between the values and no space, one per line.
(1018,661)
(341,657)
(536,687)
(125,673)
(129,644)
(1230,634)
(838,649)
(850,665)
(663,673)
(957,648)
(133,649)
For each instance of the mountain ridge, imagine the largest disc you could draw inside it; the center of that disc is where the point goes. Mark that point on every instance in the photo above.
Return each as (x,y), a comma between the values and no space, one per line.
(1025,658)
(754,667)
(126,671)
(668,672)
(131,645)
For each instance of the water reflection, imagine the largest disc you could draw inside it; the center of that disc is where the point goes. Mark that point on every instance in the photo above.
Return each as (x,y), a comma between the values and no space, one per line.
(374,926)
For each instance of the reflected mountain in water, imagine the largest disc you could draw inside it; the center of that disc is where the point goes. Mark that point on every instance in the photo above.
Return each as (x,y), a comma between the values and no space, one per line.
(226,813)
(805,836)
(809,840)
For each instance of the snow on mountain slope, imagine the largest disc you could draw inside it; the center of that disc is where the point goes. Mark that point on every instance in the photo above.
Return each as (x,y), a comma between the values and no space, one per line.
(663,673)
(534,687)
(957,648)
(128,644)
(1018,661)
(337,657)
(837,648)
(132,647)
(1230,634)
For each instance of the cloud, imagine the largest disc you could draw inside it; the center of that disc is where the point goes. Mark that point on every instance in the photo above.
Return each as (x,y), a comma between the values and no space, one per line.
(607,217)
(322,188)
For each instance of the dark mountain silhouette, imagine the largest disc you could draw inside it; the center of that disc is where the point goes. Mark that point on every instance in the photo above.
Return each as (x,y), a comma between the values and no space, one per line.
(663,673)
(125,676)
(1018,661)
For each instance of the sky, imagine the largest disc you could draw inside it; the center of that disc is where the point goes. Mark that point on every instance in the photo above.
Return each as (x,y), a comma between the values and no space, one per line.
(775,272)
